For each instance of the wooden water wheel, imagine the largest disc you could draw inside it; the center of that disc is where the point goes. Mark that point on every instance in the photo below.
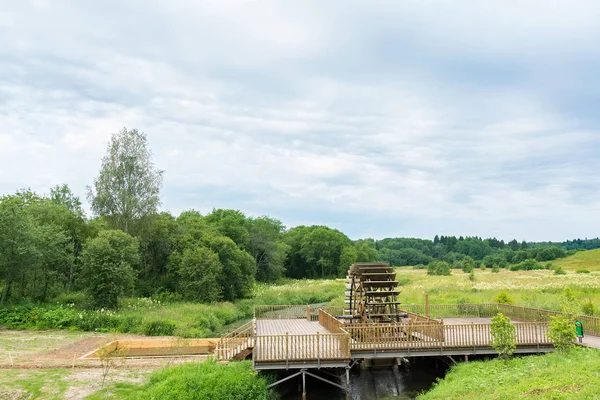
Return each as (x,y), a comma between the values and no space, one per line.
(372,293)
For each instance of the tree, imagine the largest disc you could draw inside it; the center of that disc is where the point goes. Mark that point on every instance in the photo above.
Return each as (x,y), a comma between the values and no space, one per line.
(267,247)
(504,335)
(438,268)
(239,268)
(200,270)
(17,242)
(108,266)
(128,186)
(467,264)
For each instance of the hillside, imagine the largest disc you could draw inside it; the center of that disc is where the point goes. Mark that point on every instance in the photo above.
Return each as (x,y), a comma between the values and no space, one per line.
(589,260)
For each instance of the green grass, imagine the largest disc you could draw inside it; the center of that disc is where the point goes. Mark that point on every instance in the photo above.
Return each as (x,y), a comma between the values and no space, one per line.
(551,376)
(33,384)
(589,260)
(540,289)
(197,381)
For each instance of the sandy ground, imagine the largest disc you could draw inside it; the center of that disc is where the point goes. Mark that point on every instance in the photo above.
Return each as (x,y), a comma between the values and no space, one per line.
(64,349)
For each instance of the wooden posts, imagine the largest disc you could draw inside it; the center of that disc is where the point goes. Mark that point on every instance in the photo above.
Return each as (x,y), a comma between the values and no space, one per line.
(308,313)
(427,305)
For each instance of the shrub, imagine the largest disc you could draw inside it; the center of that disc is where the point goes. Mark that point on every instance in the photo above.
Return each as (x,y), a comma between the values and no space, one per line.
(503,298)
(420,266)
(472,276)
(559,271)
(528,265)
(588,308)
(504,335)
(495,269)
(467,264)
(583,271)
(562,332)
(438,268)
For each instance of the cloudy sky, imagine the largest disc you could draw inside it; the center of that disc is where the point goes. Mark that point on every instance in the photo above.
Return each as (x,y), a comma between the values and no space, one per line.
(379,118)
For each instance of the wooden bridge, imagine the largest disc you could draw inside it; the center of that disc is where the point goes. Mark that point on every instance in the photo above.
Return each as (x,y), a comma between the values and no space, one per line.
(300,337)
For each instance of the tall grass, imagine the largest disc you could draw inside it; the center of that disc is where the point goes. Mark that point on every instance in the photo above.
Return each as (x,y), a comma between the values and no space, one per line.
(197,381)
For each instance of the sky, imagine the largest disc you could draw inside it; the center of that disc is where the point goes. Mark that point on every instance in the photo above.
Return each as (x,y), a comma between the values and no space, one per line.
(379,118)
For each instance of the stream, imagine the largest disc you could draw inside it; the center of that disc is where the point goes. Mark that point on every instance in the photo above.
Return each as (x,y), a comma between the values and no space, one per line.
(397,383)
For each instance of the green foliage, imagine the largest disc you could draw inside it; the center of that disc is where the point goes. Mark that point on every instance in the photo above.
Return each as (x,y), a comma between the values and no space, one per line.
(583,271)
(467,264)
(472,276)
(439,268)
(559,271)
(495,269)
(588,308)
(562,332)
(503,298)
(200,271)
(108,262)
(527,265)
(128,186)
(200,381)
(504,335)
(159,328)
(551,376)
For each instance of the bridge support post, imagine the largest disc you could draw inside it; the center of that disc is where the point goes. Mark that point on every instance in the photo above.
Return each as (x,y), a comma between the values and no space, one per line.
(303,385)
(347,383)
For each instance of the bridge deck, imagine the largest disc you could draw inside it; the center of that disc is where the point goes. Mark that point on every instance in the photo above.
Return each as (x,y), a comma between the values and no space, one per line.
(295,341)
(267,327)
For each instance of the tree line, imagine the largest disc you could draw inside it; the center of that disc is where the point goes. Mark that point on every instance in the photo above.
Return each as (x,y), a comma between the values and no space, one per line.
(49,246)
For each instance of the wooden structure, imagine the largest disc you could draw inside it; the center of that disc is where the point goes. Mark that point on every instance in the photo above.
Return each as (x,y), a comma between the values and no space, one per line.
(372,293)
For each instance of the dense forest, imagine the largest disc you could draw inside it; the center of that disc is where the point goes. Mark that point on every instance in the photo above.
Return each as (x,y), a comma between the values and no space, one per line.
(49,246)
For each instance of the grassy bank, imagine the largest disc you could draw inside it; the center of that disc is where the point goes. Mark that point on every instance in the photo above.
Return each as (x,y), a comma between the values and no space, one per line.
(552,376)
(154,318)
(197,381)
(582,260)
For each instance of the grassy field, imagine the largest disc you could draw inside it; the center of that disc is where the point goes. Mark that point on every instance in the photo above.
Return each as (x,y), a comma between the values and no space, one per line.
(589,260)
(541,289)
(551,376)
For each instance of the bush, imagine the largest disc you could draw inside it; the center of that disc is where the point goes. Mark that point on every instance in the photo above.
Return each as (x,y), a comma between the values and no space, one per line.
(495,269)
(503,298)
(559,271)
(439,268)
(588,308)
(420,266)
(504,335)
(528,265)
(472,276)
(583,271)
(562,332)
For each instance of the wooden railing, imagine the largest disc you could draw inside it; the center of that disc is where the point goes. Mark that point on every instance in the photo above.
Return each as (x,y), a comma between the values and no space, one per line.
(284,312)
(235,342)
(317,347)
(329,322)
(405,336)
(591,325)
(453,310)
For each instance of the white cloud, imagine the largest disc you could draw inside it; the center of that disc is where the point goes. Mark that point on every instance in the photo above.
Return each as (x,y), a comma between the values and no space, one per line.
(422,117)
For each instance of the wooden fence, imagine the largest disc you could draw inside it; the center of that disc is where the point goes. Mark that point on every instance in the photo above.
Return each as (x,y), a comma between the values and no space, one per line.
(591,325)
(453,310)
(404,336)
(329,322)
(285,312)
(235,342)
(317,347)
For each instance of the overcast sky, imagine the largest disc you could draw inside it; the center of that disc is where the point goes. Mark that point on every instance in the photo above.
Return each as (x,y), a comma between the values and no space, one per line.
(379,118)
